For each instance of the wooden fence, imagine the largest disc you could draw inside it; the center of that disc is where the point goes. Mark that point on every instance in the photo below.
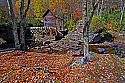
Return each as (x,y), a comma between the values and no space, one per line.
(41,34)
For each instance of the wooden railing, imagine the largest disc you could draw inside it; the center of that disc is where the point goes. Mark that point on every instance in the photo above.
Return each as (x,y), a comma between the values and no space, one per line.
(42,33)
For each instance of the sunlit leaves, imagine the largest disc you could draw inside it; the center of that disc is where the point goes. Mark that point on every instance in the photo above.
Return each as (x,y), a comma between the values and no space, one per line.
(38,8)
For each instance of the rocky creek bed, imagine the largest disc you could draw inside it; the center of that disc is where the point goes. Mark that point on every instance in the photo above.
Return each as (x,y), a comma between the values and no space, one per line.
(73,41)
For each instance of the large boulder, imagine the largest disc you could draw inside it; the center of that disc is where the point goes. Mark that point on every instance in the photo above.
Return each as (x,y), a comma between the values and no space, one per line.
(119,49)
(64,32)
(95,38)
(59,36)
(101,36)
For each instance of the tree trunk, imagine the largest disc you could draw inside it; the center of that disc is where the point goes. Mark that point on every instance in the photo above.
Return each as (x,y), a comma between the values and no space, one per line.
(121,4)
(86,24)
(98,8)
(85,29)
(102,3)
(22,23)
(122,14)
(14,26)
(22,35)
(92,3)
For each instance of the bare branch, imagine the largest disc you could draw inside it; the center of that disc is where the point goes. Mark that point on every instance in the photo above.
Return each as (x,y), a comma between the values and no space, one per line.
(90,19)
(92,13)
(21,9)
(11,11)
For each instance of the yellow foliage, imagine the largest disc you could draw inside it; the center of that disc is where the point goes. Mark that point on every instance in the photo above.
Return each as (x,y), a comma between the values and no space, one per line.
(38,8)
(63,10)
(0,15)
(57,1)
(113,6)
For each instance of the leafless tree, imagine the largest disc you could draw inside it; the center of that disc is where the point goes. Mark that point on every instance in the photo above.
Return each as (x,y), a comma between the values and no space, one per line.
(86,24)
(19,41)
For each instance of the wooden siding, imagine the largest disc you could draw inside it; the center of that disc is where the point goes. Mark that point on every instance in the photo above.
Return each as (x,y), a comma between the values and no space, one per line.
(51,21)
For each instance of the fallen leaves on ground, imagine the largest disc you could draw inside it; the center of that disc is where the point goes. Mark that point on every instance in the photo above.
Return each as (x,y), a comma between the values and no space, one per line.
(19,66)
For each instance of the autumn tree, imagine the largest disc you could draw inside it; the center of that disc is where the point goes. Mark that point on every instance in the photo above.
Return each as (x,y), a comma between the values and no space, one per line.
(19,41)
(38,7)
(57,6)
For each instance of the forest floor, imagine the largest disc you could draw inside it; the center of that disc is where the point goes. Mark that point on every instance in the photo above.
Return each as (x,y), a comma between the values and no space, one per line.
(19,66)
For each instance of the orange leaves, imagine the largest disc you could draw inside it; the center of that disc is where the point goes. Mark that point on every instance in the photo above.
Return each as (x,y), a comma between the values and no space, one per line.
(52,6)
(93,72)
(109,26)
(42,67)
(16,8)
(77,14)
(57,1)
(80,15)
(63,10)
(110,58)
